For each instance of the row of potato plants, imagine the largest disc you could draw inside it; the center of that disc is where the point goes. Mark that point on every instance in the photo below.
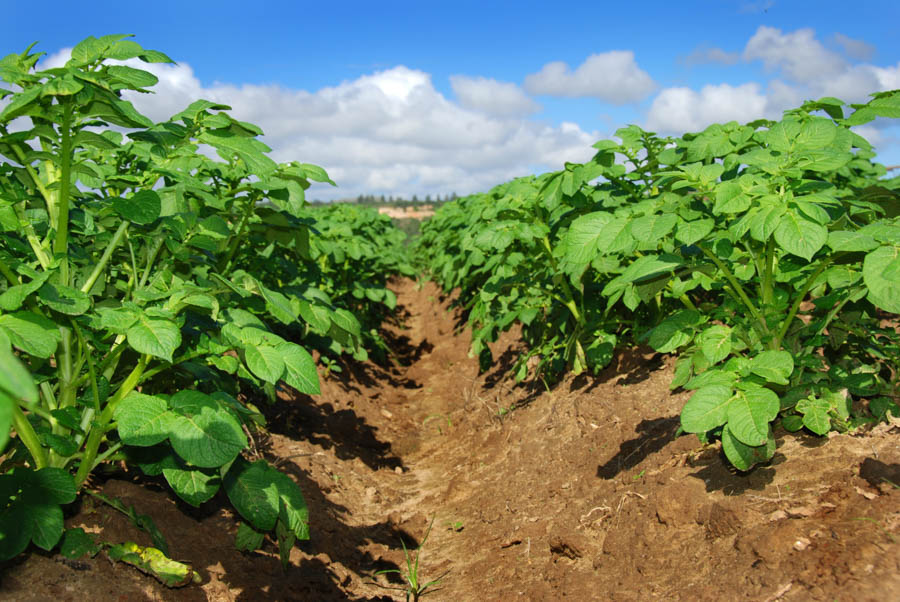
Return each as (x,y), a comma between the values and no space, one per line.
(152,277)
(765,255)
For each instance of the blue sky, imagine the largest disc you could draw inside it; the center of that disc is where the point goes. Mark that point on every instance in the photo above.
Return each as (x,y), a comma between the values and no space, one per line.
(402,98)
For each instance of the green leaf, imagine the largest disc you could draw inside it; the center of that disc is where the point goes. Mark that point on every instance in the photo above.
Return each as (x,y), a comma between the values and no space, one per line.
(64,299)
(262,494)
(651,266)
(800,236)
(730,198)
(674,331)
(144,207)
(750,413)
(881,273)
(15,380)
(135,78)
(30,332)
(154,336)
(774,366)
(278,306)
(652,228)
(13,297)
(265,362)
(76,543)
(706,409)
(715,342)
(248,540)
(691,232)
(203,432)
(31,508)
(143,420)
(815,414)
(744,457)
(193,485)
(300,369)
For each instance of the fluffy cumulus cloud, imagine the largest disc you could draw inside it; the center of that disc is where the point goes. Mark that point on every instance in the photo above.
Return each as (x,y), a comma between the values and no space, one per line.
(800,68)
(390,132)
(611,76)
(492,96)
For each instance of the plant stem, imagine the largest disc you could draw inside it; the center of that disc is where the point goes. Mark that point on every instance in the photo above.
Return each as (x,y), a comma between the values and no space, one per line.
(800,297)
(61,244)
(8,273)
(738,289)
(104,259)
(29,438)
(98,432)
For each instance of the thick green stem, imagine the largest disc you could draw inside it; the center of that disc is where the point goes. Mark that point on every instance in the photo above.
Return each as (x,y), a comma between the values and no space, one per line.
(796,305)
(33,239)
(98,432)
(233,245)
(61,244)
(104,259)
(738,289)
(8,273)
(768,284)
(569,301)
(29,438)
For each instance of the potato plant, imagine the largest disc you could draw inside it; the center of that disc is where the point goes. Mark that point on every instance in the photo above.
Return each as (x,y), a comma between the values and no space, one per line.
(135,306)
(765,255)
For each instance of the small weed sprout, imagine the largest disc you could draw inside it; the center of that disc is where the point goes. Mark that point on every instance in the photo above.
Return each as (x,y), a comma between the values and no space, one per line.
(414,589)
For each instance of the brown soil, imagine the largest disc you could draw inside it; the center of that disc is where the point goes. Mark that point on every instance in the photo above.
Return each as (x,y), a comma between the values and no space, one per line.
(582,492)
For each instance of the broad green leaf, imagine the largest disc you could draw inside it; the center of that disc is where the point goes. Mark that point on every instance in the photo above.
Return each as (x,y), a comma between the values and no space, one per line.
(193,485)
(31,508)
(694,231)
(157,337)
(300,369)
(144,207)
(724,378)
(203,432)
(800,236)
(15,380)
(262,494)
(715,342)
(13,297)
(774,366)
(580,243)
(64,299)
(251,489)
(7,406)
(265,362)
(706,409)
(750,413)
(881,273)
(30,332)
(76,543)
(652,228)
(248,540)
(651,266)
(143,420)
(278,306)
(744,457)
(815,414)
(730,198)
(317,316)
(674,331)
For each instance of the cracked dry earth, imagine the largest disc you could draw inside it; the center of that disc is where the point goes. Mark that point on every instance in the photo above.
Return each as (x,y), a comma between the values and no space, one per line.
(580,493)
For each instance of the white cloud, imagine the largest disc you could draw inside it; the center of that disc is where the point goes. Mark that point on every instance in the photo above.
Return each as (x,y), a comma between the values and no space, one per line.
(492,96)
(704,54)
(390,132)
(612,76)
(806,69)
(679,110)
(798,55)
(855,49)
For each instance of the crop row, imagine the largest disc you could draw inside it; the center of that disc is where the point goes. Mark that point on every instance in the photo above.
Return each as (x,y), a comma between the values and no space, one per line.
(154,277)
(765,255)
